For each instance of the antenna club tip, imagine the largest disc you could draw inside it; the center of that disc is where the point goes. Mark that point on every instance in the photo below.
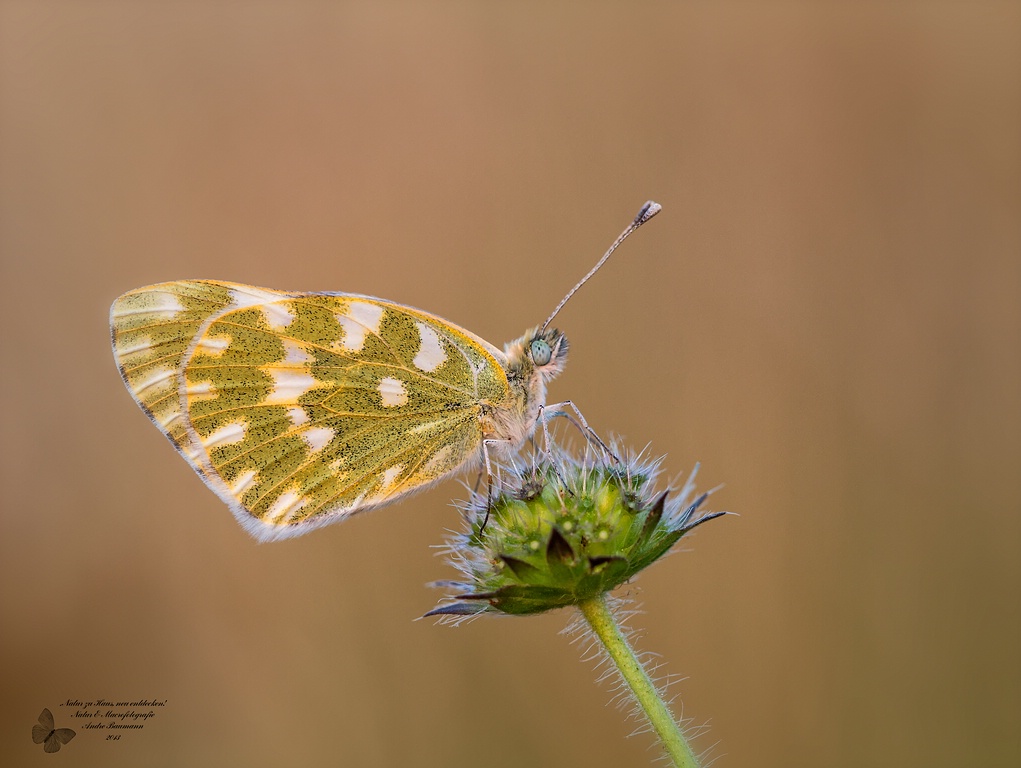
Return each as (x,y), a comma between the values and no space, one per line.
(650,209)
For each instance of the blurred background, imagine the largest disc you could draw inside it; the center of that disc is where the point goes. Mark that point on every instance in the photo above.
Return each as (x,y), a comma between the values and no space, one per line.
(827,315)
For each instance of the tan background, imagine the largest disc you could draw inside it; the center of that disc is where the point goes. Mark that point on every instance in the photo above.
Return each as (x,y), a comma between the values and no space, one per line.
(827,314)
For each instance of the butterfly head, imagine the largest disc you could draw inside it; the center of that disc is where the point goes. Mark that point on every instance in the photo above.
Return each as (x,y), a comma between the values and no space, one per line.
(539,351)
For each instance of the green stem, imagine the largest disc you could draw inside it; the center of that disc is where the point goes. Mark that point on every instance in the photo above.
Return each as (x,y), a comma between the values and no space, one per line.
(603,623)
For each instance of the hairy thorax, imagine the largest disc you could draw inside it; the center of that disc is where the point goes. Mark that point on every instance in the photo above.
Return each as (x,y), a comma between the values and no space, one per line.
(509,424)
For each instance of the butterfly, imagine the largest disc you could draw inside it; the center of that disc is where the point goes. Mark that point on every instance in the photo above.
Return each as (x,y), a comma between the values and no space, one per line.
(51,738)
(301,409)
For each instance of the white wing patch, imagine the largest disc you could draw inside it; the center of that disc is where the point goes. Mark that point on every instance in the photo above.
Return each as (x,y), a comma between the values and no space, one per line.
(393,392)
(157,303)
(158,378)
(202,390)
(317,438)
(288,385)
(214,346)
(244,482)
(359,319)
(298,416)
(248,296)
(285,507)
(390,474)
(142,344)
(276,312)
(169,419)
(295,352)
(228,434)
(430,352)
(277,315)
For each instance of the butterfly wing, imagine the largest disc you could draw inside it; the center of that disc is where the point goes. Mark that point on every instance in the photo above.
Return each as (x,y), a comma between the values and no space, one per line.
(300,409)
(44,729)
(152,329)
(58,737)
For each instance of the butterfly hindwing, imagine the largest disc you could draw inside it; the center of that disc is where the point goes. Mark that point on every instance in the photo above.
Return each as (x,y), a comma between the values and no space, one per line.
(298,408)
(58,737)
(51,738)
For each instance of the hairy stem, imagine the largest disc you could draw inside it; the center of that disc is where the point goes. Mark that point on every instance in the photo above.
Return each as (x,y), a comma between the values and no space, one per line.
(606,628)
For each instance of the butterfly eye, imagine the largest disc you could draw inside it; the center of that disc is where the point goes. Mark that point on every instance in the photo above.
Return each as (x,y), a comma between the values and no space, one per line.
(541,352)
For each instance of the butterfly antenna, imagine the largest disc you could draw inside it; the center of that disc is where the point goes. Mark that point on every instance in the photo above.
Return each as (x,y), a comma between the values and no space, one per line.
(649,210)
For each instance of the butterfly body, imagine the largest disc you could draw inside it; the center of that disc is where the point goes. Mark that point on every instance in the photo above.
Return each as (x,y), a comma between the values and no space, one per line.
(514,420)
(301,409)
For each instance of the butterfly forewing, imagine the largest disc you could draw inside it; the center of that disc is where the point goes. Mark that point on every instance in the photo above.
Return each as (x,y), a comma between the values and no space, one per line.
(298,409)
(45,727)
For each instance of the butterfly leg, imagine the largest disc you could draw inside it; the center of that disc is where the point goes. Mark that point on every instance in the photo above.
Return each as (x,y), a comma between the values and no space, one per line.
(489,477)
(557,409)
(544,418)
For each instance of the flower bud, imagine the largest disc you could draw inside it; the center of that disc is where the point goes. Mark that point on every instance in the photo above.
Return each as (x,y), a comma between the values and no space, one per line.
(564,530)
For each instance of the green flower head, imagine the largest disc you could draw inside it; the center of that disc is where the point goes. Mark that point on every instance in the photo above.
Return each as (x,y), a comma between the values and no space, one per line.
(561,530)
